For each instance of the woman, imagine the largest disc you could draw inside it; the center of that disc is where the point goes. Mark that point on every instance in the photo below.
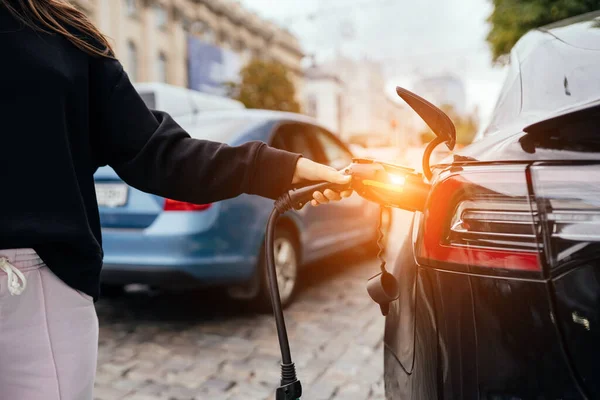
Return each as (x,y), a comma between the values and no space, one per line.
(67,107)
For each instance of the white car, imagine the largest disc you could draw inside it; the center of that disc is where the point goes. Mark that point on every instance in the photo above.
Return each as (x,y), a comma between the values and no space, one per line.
(181,103)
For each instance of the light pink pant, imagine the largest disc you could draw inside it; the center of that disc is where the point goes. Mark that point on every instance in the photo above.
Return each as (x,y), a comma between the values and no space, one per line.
(48,335)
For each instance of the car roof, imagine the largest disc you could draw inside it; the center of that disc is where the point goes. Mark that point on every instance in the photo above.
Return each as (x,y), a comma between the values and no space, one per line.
(234,124)
(552,75)
(258,115)
(179,101)
(582,31)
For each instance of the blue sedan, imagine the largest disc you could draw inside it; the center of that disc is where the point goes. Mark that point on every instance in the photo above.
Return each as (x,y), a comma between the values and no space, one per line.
(174,245)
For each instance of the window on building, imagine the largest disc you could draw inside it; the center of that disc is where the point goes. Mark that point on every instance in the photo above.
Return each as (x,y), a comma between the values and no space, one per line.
(131,8)
(239,46)
(209,35)
(161,67)
(132,61)
(186,22)
(203,31)
(311,105)
(162,16)
(224,40)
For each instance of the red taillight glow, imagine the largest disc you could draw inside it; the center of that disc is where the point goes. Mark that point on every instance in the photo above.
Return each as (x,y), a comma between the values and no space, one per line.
(483,219)
(174,205)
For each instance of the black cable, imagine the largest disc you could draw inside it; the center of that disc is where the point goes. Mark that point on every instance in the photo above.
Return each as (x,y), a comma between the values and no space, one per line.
(290,388)
(284,344)
(427,155)
(380,236)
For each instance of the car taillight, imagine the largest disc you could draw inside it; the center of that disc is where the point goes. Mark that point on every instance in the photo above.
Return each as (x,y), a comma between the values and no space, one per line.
(568,197)
(174,205)
(480,218)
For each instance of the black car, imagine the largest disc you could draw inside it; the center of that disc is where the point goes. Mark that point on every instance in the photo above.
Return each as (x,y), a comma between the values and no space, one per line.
(500,277)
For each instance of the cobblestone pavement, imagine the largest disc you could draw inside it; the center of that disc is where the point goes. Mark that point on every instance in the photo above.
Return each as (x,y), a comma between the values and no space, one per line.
(201,346)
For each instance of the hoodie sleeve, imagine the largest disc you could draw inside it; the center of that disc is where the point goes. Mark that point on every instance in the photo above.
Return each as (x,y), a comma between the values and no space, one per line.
(151,152)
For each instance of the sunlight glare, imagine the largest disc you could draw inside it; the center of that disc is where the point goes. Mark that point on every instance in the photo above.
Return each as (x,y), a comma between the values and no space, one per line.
(397,179)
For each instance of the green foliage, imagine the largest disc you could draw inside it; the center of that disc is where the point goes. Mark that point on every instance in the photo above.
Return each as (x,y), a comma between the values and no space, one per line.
(511,19)
(266,85)
(466,126)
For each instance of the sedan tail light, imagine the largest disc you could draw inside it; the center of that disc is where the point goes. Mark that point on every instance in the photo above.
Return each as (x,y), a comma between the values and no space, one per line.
(480,219)
(568,197)
(174,205)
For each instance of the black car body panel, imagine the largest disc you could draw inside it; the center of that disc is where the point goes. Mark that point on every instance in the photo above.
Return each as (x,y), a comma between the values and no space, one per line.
(457,343)
(578,311)
(411,352)
(463,332)
(519,351)
(571,135)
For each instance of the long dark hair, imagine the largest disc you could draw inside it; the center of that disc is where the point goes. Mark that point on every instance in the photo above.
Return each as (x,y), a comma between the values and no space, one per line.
(59,16)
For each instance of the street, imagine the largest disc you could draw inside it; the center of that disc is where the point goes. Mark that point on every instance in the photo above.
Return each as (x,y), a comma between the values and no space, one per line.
(158,155)
(202,346)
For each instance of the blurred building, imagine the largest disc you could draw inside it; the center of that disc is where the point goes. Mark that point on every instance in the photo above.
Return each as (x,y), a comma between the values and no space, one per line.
(443,90)
(191,43)
(364,109)
(323,98)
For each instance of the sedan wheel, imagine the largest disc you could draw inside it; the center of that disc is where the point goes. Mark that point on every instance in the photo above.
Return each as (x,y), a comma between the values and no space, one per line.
(286,264)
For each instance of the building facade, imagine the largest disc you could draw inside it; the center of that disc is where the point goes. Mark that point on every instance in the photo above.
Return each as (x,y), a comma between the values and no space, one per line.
(365,109)
(323,98)
(151,37)
(443,90)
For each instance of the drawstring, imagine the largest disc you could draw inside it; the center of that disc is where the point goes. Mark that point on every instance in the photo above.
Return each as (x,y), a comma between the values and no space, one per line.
(14,275)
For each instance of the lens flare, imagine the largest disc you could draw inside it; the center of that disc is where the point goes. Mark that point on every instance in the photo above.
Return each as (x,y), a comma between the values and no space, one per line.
(397,179)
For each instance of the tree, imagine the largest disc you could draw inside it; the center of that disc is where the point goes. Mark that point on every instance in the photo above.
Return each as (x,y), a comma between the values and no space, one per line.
(511,19)
(265,84)
(466,126)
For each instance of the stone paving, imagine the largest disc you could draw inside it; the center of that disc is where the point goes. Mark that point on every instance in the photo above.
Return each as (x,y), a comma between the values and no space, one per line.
(201,346)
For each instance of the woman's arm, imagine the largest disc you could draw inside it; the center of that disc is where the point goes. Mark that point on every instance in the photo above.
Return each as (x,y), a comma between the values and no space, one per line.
(151,152)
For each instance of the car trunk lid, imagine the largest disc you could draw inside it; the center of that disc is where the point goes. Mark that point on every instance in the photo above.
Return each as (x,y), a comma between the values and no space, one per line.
(122,206)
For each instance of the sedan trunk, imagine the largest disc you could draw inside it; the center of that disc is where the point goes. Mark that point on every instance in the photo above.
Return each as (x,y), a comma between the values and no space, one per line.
(124,207)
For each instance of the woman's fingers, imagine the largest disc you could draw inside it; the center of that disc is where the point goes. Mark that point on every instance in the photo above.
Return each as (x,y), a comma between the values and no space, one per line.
(320,198)
(331,195)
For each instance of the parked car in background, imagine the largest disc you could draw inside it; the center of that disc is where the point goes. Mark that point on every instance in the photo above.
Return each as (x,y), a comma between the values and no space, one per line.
(173,245)
(500,279)
(389,154)
(181,103)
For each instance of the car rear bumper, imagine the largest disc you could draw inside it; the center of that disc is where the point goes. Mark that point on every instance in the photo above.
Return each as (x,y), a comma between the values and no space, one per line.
(164,278)
(178,255)
(179,273)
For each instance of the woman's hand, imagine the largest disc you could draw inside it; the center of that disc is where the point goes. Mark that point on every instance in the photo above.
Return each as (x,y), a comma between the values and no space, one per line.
(307,170)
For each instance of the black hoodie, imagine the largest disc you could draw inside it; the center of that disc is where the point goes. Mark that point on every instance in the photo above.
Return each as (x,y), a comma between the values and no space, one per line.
(63,114)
